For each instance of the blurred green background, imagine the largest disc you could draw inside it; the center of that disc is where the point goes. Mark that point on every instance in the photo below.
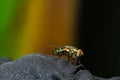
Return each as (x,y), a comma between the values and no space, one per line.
(8,32)
(35,26)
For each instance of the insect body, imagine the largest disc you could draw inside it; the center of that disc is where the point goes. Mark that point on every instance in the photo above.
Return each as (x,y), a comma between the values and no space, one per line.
(69,51)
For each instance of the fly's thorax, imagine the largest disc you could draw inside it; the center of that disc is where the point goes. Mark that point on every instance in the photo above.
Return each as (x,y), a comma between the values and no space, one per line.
(69,54)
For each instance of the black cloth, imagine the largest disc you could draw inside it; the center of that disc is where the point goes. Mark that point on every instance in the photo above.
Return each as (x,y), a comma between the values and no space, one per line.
(42,67)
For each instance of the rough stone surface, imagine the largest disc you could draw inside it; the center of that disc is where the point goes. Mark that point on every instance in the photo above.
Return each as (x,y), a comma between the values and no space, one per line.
(4,60)
(41,67)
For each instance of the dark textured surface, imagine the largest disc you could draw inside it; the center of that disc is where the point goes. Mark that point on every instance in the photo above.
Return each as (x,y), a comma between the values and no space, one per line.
(4,60)
(40,67)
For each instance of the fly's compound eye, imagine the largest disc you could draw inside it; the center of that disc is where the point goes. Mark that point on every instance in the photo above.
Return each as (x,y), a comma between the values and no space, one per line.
(80,52)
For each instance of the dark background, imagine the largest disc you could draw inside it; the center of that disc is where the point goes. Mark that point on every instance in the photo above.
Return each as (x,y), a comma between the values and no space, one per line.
(98,34)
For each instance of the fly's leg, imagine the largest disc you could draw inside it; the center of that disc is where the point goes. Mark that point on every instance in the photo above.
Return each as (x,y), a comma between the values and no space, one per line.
(79,63)
(68,58)
(75,61)
(60,55)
